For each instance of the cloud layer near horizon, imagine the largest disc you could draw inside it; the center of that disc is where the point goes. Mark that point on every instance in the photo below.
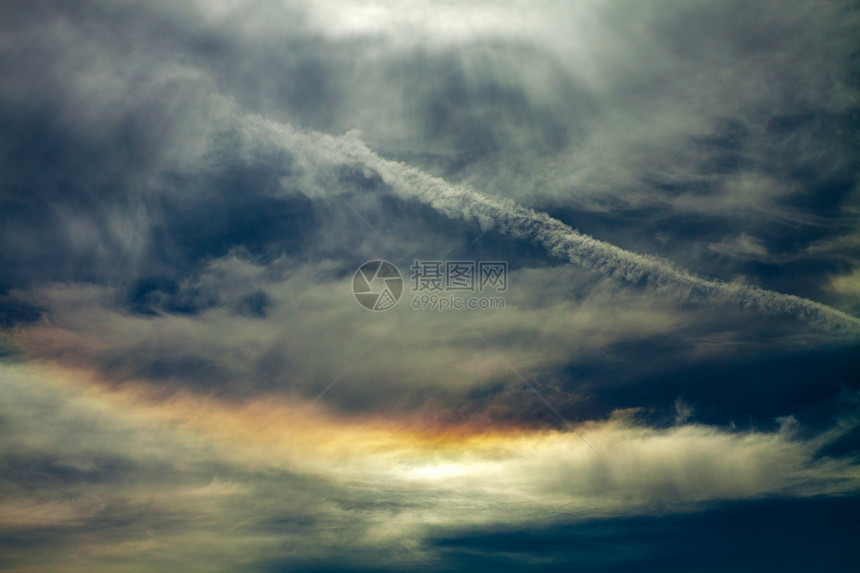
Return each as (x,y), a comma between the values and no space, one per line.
(169,466)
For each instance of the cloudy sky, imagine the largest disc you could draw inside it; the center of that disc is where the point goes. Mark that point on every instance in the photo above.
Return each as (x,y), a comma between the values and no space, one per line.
(671,383)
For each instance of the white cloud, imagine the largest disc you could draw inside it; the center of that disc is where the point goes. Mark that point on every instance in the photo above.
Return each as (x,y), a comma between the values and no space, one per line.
(181,479)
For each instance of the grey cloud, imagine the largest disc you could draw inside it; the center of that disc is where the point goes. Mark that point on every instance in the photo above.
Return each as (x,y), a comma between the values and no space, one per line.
(742,246)
(550,111)
(174,278)
(241,328)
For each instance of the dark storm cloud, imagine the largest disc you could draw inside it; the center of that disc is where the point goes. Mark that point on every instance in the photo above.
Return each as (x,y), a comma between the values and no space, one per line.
(99,113)
(131,161)
(753,389)
(767,535)
(14,311)
(198,185)
(181,214)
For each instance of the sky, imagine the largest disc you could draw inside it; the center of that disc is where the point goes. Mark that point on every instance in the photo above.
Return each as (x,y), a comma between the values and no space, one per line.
(194,195)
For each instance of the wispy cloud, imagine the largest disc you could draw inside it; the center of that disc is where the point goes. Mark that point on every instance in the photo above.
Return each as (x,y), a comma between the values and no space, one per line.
(563,242)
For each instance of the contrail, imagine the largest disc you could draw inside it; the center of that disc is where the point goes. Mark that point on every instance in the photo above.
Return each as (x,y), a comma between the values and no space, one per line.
(563,242)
